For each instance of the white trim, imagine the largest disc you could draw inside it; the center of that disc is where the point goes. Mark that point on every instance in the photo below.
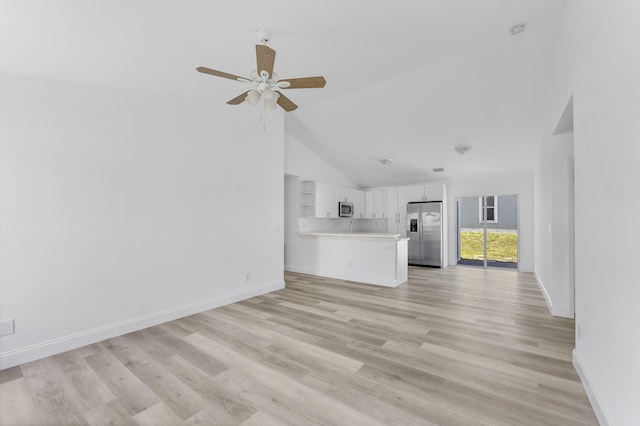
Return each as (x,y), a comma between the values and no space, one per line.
(74,341)
(298,270)
(564,313)
(482,214)
(544,292)
(592,394)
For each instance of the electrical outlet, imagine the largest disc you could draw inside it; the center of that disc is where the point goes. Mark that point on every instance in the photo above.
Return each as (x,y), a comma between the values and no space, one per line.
(247,277)
(6,327)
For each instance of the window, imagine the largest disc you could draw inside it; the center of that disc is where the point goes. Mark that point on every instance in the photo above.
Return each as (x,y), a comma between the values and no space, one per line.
(488,209)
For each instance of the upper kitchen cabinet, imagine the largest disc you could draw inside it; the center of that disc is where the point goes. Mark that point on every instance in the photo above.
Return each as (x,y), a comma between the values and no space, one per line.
(434,192)
(376,204)
(393,212)
(408,194)
(356,197)
(321,199)
(327,198)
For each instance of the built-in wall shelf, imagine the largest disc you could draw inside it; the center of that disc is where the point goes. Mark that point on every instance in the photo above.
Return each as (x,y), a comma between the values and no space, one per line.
(307,198)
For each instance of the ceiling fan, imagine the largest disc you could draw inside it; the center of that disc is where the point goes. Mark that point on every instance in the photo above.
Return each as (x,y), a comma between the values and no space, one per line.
(266,84)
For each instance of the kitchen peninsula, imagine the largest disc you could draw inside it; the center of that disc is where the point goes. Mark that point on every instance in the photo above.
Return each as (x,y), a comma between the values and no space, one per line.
(368,257)
(366,243)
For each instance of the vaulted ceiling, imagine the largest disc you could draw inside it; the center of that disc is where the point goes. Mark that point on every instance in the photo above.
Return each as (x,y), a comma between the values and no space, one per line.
(406,80)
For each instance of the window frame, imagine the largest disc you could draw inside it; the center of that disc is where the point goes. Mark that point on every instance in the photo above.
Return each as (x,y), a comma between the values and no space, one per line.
(481,214)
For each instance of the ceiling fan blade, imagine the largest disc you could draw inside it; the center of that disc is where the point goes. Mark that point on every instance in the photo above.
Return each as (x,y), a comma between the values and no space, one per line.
(221,74)
(265,58)
(304,82)
(238,99)
(286,103)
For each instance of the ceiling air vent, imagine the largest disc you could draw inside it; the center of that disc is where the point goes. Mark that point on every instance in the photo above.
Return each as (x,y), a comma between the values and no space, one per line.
(438,170)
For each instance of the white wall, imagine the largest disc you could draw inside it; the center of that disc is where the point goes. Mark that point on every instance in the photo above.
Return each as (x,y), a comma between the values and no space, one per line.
(302,162)
(543,267)
(553,230)
(521,184)
(120,209)
(596,61)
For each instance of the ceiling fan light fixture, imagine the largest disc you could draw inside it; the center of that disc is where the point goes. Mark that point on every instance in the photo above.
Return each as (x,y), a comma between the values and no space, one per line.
(253,97)
(270,106)
(268,94)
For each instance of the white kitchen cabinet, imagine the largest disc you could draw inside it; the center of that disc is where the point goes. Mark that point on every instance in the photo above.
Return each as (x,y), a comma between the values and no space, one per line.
(376,204)
(357,197)
(327,198)
(393,212)
(406,194)
(380,204)
(368,201)
(434,192)
(415,193)
(319,199)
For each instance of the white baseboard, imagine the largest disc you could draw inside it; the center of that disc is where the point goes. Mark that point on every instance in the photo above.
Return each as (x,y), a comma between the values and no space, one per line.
(40,350)
(592,394)
(307,271)
(556,312)
(544,292)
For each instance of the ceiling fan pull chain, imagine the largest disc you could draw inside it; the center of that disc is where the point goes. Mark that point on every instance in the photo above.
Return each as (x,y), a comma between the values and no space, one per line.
(262,116)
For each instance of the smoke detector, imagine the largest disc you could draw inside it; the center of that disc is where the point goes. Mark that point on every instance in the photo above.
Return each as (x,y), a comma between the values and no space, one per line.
(462,149)
(518,28)
(385,161)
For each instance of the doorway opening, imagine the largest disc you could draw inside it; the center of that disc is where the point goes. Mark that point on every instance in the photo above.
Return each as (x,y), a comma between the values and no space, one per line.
(487,231)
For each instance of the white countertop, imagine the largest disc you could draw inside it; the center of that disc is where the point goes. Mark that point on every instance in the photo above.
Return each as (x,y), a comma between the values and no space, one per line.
(377,235)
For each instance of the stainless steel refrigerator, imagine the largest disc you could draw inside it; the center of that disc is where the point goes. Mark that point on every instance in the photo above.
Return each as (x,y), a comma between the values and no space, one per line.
(425,232)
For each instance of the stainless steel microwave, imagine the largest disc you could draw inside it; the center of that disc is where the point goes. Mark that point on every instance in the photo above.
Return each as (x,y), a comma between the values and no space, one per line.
(345,209)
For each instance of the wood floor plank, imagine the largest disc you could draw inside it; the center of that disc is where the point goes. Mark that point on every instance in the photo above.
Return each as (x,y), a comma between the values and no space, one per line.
(323,407)
(17,407)
(453,346)
(267,399)
(262,419)
(113,413)
(173,393)
(158,415)
(47,388)
(221,405)
(10,374)
(134,395)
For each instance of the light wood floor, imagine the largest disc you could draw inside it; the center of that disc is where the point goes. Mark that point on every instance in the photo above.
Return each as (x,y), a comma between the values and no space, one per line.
(459,346)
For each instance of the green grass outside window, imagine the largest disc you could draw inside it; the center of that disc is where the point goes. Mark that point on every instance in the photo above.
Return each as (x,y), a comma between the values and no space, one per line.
(501,247)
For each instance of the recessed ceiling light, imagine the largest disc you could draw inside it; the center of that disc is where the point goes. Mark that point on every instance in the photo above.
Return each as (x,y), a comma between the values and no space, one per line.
(518,28)
(438,170)
(385,161)
(461,149)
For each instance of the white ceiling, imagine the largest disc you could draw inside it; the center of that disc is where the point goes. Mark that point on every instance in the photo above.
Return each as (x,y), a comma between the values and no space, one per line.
(407,80)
